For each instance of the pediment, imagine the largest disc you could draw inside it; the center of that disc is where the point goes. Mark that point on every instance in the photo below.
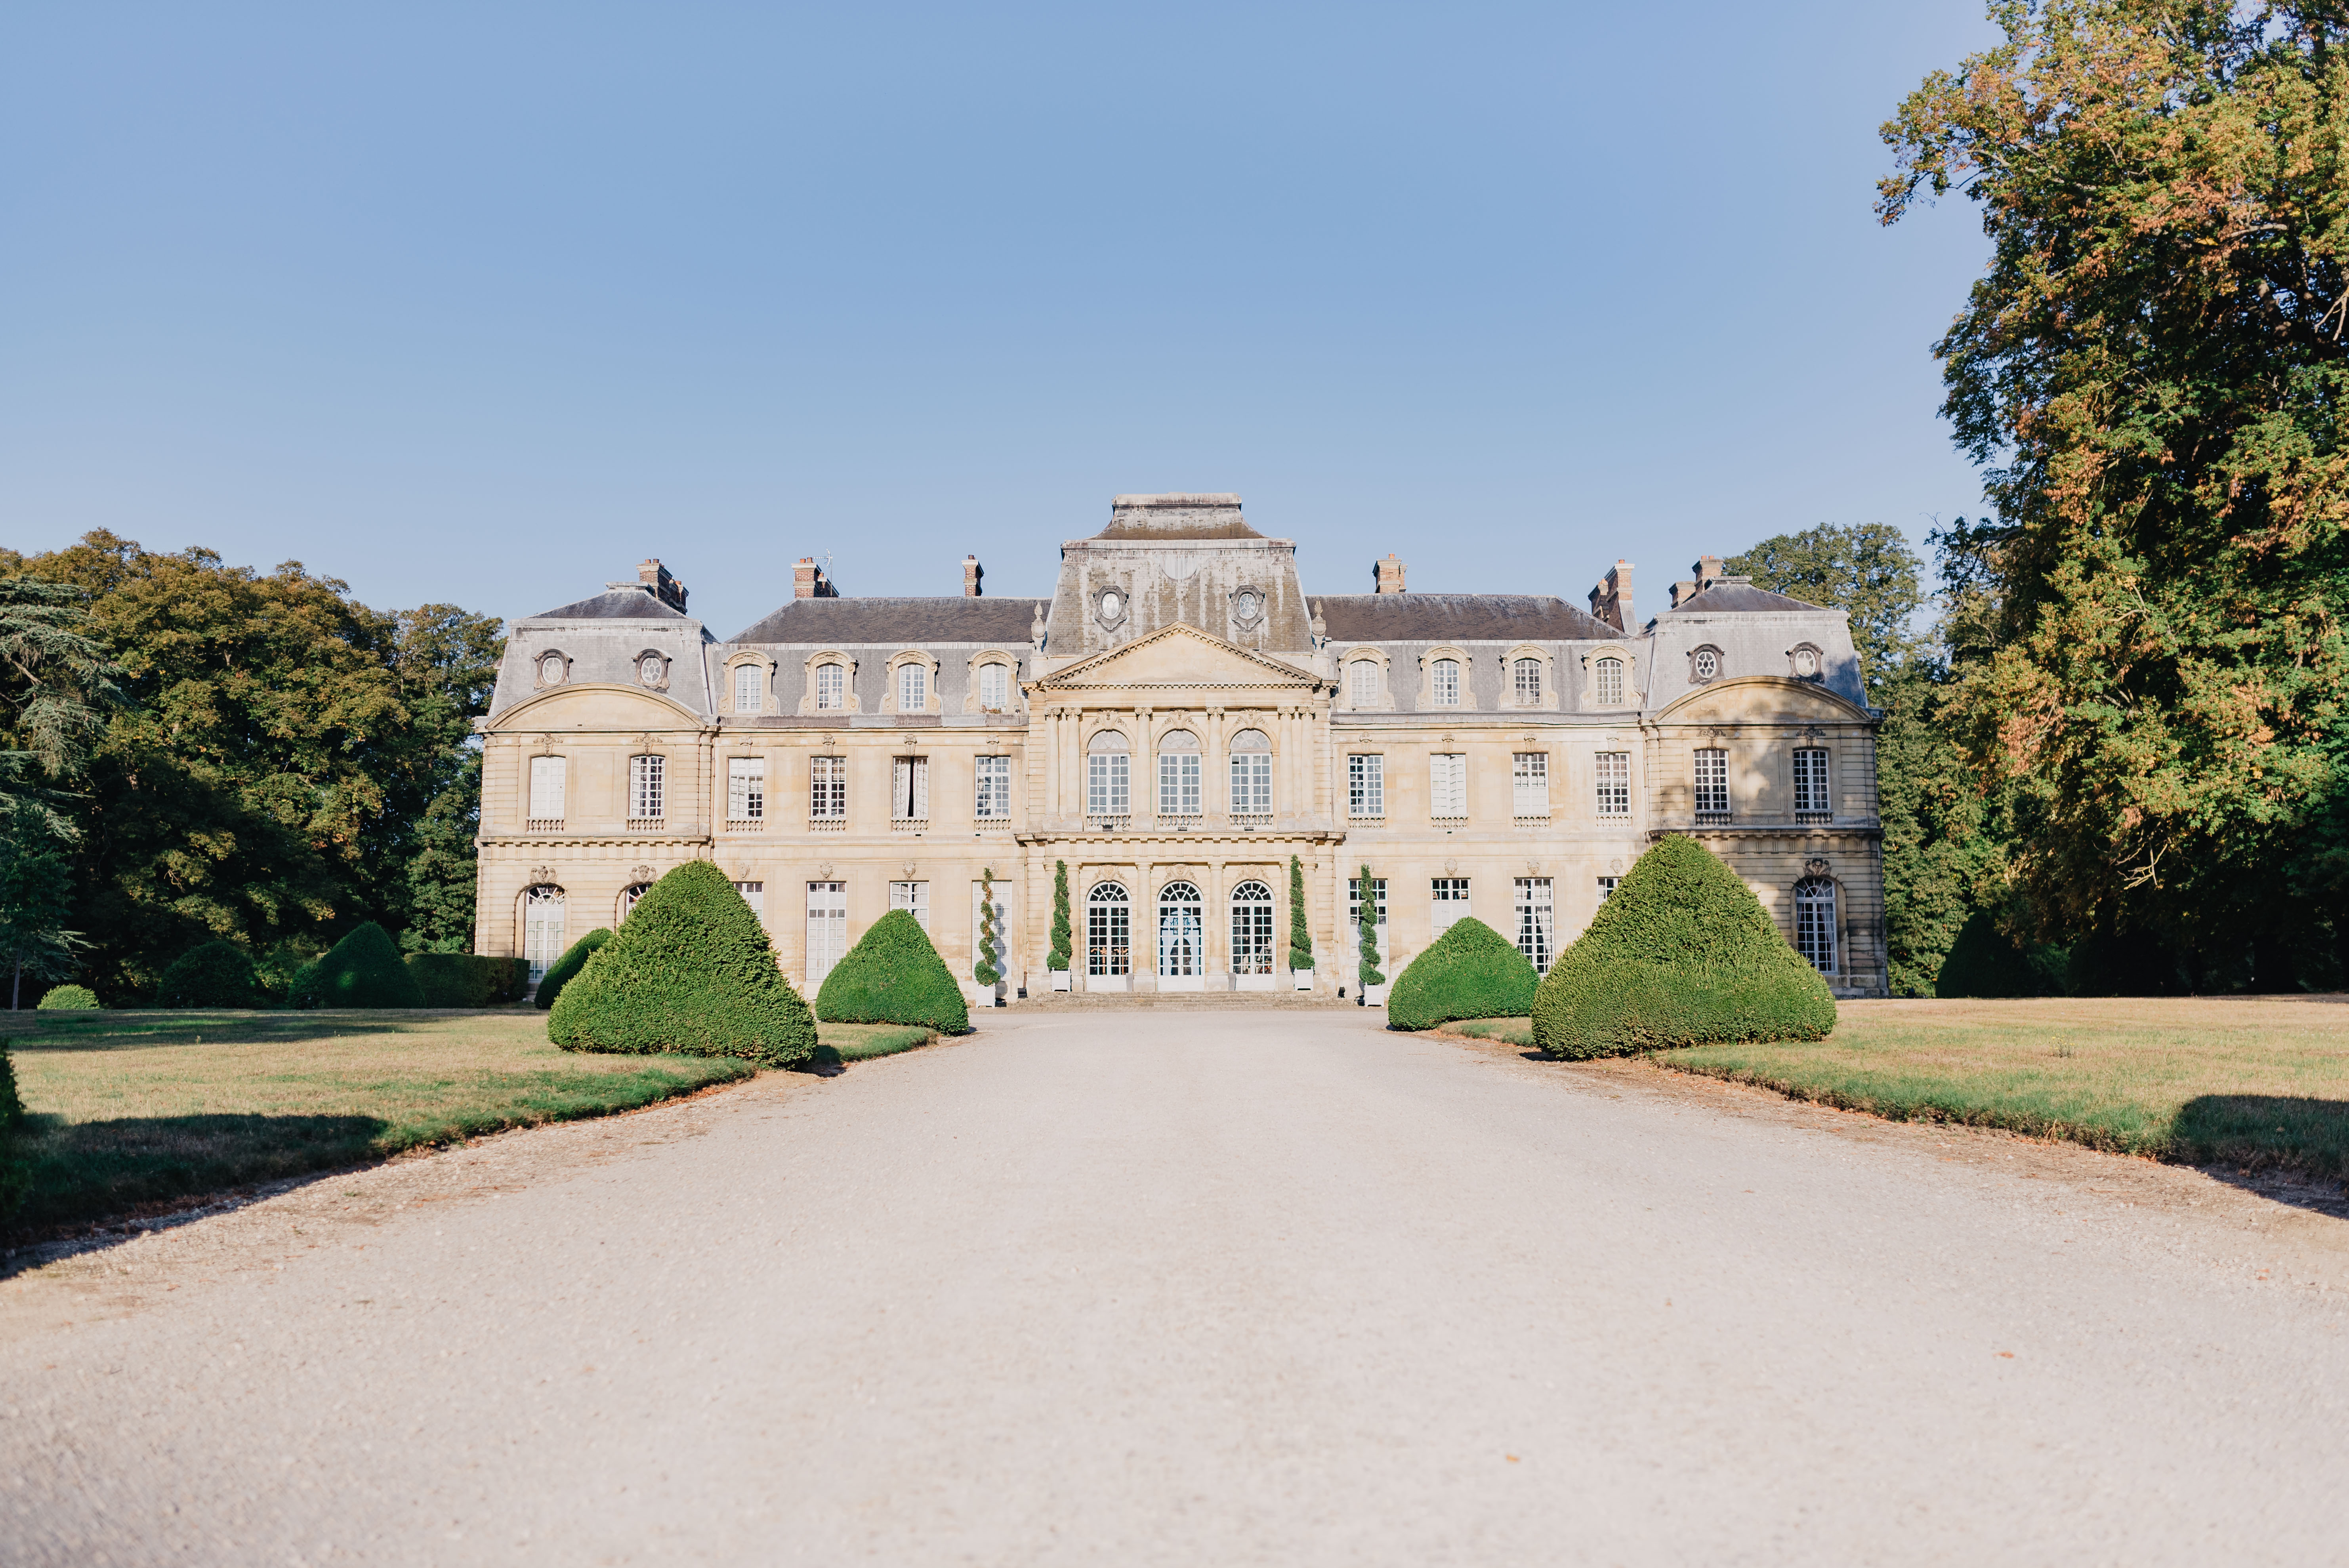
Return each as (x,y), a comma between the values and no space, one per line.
(1180,657)
(1762,699)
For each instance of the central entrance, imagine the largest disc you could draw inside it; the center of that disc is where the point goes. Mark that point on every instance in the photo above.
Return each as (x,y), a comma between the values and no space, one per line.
(1182,938)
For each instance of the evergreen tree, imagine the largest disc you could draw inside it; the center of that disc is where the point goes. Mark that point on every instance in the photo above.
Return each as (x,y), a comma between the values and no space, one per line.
(1064,939)
(989,941)
(35,900)
(1367,903)
(1301,932)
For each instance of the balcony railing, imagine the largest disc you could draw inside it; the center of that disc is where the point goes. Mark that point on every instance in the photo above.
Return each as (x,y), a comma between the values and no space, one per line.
(909,824)
(1810,819)
(543,825)
(647,824)
(1182,825)
(1108,824)
(1531,818)
(745,824)
(1448,819)
(827,824)
(1362,819)
(1249,821)
(1712,818)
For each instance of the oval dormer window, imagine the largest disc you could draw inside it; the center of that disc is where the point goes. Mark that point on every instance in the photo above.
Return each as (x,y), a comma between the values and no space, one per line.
(1110,605)
(1806,662)
(650,669)
(1247,604)
(550,670)
(1707,663)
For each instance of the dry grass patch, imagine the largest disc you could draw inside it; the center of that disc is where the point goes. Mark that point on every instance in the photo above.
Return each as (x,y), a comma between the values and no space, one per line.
(1517,1031)
(860,1042)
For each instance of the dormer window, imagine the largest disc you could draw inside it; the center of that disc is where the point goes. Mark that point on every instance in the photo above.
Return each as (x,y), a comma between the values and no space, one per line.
(1704,664)
(745,688)
(1807,661)
(550,669)
(831,686)
(913,689)
(652,669)
(1446,681)
(994,687)
(1610,681)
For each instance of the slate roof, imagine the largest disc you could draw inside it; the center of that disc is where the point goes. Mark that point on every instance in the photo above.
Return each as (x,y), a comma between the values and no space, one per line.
(899,622)
(1457,618)
(614,604)
(1740,599)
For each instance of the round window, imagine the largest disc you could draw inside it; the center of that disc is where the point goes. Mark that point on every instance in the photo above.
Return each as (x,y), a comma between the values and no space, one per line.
(1247,601)
(1110,605)
(1708,664)
(1807,661)
(650,669)
(550,669)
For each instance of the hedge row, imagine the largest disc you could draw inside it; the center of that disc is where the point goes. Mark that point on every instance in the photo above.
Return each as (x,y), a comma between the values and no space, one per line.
(468,979)
(565,969)
(1472,971)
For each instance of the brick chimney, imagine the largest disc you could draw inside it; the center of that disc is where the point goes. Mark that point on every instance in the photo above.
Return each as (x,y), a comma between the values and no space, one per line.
(1611,600)
(1387,575)
(665,588)
(1708,573)
(972,572)
(808,581)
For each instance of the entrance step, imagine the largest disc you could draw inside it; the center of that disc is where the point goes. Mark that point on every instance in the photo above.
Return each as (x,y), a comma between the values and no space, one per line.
(1176,1001)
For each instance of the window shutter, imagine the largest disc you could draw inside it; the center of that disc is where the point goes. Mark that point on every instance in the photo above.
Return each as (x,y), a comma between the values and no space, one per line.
(921,789)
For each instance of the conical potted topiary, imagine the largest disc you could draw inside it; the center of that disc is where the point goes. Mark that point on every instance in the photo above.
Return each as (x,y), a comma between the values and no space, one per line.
(893,976)
(1681,953)
(1300,930)
(987,967)
(1064,939)
(690,970)
(362,970)
(1372,984)
(1472,971)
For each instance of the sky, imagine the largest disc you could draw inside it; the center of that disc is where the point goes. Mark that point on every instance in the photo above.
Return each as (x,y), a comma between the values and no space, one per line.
(484,303)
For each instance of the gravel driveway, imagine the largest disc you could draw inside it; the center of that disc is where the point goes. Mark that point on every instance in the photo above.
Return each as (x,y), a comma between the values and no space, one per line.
(1198,1289)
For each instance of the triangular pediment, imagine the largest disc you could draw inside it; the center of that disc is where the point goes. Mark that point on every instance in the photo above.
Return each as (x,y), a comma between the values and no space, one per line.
(1180,657)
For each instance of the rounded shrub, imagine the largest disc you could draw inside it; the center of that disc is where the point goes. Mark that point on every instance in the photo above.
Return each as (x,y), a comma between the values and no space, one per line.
(690,970)
(69,999)
(1682,953)
(893,976)
(210,974)
(1472,971)
(362,970)
(565,969)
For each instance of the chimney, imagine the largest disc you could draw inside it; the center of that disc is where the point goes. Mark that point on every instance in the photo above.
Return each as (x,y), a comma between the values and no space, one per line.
(1387,575)
(972,572)
(1708,572)
(1611,600)
(664,587)
(808,581)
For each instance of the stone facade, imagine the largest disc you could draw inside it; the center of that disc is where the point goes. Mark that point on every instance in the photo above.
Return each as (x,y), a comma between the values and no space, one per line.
(1177,721)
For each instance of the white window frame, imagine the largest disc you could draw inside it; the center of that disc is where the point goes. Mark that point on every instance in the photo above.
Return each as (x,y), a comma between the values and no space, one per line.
(1710,774)
(1447,786)
(754,893)
(1251,774)
(995,687)
(827,930)
(1362,683)
(1526,681)
(991,788)
(914,898)
(647,786)
(1815,924)
(909,789)
(546,913)
(1109,784)
(913,688)
(748,689)
(1612,776)
(1530,784)
(1179,783)
(1443,683)
(746,789)
(1109,929)
(831,686)
(827,788)
(1536,911)
(1811,795)
(1447,902)
(1610,681)
(1253,947)
(548,778)
(1366,785)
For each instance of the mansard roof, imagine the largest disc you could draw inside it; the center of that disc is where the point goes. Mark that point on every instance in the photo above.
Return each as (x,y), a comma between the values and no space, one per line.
(1458,618)
(1742,599)
(1148,517)
(901,623)
(623,604)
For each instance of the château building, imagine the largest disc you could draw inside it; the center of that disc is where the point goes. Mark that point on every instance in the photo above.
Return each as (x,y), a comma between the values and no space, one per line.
(1176,723)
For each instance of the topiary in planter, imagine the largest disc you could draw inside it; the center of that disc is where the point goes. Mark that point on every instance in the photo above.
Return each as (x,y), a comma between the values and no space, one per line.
(565,969)
(212,975)
(1472,971)
(1300,932)
(893,976)
(690,970)
(362,970)
(1681,953)
(1064,939)
(69,999)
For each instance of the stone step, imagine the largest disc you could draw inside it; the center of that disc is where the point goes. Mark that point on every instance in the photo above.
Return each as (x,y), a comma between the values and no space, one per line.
(1202,1000)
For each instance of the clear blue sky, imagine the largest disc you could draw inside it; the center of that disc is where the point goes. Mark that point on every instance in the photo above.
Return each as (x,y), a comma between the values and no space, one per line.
(485,303)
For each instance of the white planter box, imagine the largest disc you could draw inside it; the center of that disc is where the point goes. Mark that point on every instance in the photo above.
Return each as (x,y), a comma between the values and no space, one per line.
(1302,979)
(1059,977)
(1253,982)
(1374,996)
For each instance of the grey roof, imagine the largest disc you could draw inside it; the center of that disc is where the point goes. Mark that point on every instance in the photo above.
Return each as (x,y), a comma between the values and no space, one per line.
(905,622)
(1165,517)
(1458,618)
(1740,599)
(616,605)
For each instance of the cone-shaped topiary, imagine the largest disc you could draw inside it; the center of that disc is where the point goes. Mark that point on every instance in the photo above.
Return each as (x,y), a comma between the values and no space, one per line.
(1300,932)
(1681,953)
(1064,939)
(893,976)
(210,974)
(690,970)
(69,999)
(362,970)
(565,969)
(1472,971)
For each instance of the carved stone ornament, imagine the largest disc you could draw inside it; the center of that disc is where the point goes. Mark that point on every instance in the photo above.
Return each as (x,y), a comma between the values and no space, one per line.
(824,871)
(640,873)
(908,869)
(1451,868)
(1533,868)
(1815,868)
(1616,865)
(542,873)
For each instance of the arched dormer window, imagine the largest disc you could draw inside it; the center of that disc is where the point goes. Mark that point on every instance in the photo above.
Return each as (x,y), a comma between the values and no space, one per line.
(1364,673)
(1178,774)
(1606,675)
(912,684)
(1525,675)
(831,684)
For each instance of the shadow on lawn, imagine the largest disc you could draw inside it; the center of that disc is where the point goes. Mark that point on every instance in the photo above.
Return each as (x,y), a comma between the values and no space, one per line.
(2294,1149)
(140,1031)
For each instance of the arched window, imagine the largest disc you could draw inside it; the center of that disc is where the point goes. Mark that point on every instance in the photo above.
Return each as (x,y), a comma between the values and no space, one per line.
(1252,929)
(1815,921)
(745,688)
(1443,681)
(1526,681)
(994,687)
(542,929)
(831,686)
(631,894)
(1610,681)
(1181,931)
(1251,774)
(1178,774)
(1108,777)
(1109,931)
(912,688)
(1362,683)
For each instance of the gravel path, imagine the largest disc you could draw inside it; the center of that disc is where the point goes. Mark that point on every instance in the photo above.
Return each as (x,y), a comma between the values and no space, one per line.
(1198,1289)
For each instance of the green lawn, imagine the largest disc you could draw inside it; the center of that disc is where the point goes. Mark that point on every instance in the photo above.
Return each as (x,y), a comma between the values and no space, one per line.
(861,1042)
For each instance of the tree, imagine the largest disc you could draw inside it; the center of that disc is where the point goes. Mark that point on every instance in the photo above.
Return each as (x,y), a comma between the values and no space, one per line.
(1064,939)
(35,899)
(1865,569)
(1301,932)
(1366,904)
(56,682)
(443,870)
(2152,369)
(985,971)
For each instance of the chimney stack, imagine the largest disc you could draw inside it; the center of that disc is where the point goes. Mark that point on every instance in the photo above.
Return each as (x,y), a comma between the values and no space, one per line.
(1387,575)
(1611,600)
(808,581)
(1708,572)
(972,572)
(664,587)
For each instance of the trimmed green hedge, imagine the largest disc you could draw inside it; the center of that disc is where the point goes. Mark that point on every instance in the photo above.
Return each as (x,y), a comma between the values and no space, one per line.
(1472,971)
(362,970)
(468,979)
(893,976)
(213,974)
(565,969)
(1682,953)
(15,1169)
(690,970)
(69,999)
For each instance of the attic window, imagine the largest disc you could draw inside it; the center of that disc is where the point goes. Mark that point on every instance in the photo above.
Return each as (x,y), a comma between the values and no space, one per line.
(550,669)
(1807,661)
(1704,664)
(651,668)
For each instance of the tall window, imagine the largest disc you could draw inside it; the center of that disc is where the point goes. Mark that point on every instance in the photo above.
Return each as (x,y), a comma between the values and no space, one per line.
(1614,783)
(1450,896)
(830,686)
(1178,774)
(827,929)
(994,789)
(1108,777)
(995,687)
(1109,931)
(1530,784)
(1362,683)
(1447,786)
(1811,783)
(1610,681)
(1251,774)
(1366,785)
(1525,680)
(546,789)
(1815,923)
(1181,931)
(913,689)
(648,788)
(1536,930)
(827,787)
(909,789)
(746,789)
(1607,887)
(1443,681)
(745,688)
(630,895)
(1711,783)
(542,929)
(914,898)
(755,895)
(1252,929)
(1354,921)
